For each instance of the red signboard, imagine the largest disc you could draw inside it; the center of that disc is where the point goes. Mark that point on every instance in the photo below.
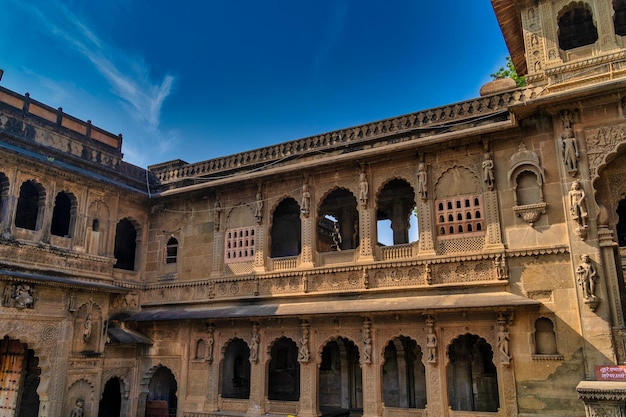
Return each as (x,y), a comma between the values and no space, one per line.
(611,373)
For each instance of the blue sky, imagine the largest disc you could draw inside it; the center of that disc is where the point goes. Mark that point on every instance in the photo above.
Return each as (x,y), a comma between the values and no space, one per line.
(200,79)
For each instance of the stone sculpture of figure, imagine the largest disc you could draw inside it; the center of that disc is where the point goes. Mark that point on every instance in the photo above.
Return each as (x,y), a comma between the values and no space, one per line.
(421,181)
(566,119)
(570,151)
(210,343)
(258,208)
(488,171)
(587,277)
(336,235)
(306,200)
(254,345)
(78,411)
(367,342)
(217,214)
(87,328)
(578,204)
(500,265)
(23,296)
(304,354)
(364,189)
(431,344)
(503,343)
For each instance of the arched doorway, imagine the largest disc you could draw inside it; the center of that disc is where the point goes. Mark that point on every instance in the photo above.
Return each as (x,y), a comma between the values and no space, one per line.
(340,378)
(472,375)
(404,374)
(111,401)
(162,394)
(19,379)
(284,371)
(236,370)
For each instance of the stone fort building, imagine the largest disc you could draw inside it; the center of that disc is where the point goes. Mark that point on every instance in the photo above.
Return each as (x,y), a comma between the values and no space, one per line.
(268,282)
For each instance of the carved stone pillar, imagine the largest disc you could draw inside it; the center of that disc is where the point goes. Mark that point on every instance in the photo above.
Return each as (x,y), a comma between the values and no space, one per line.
(371,389)
(218,252)
(259,249)
(308,406)
(257,389)
(493,234)
(213,381)
(306,256)
(426,240)
(434,401)
(603,398)
(365,234)
(606,29)
(609,266)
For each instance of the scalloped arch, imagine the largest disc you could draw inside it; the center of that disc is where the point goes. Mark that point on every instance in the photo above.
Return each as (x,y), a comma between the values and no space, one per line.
(458,168)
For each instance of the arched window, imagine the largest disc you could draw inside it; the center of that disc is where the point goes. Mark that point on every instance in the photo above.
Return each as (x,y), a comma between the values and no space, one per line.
(338,222)
(286,229)
(284,371)
(30,205)
(236,370)
(404,374)
(395,210)
(95,225)
(171,251)
(63,214)
(619,17)
(576,26)
(125,245)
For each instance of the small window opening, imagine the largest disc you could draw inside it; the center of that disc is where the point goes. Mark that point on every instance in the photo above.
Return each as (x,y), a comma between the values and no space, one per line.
(171,251)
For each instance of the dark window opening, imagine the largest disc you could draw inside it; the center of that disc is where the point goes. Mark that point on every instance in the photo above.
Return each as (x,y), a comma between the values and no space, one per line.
(125,245)
(171,251)
(286,229)
(576,27)
(61,215)
(619,18)
(29,203)
(284,371)
(471,373)
(404,375)
(95,225)
(236,370)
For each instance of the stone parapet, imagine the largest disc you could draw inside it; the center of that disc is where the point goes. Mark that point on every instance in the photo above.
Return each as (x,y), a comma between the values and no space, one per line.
(603,398)
(426,123)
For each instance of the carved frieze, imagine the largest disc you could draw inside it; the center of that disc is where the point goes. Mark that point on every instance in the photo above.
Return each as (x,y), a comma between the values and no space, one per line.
(602,141)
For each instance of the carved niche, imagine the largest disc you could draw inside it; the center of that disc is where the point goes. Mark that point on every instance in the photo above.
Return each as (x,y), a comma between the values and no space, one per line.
(526,177)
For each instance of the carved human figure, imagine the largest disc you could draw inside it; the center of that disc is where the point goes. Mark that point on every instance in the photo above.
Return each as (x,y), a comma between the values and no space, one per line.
(78,411)
(210,343)
(500,265)
(217,214)
(304,354)
(578,204)
(421,181)
(570,150)
(87,328)
(306,200)
(488,171)
(367,342)
(363,189)
(431,344)
(503,343)
(587,277)
(258,208)
(254,345)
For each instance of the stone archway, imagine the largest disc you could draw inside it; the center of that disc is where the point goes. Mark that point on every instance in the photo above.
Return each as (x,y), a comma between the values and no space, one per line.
(111,401)
(340,377)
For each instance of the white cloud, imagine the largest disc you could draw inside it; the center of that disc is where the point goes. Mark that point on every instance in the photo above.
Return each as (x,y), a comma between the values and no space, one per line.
(128,75)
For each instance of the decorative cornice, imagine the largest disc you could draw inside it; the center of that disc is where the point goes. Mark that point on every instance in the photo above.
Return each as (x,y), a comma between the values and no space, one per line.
(412,126)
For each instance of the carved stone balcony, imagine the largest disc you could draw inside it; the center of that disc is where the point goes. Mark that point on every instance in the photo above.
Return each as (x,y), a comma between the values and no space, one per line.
(530,212)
